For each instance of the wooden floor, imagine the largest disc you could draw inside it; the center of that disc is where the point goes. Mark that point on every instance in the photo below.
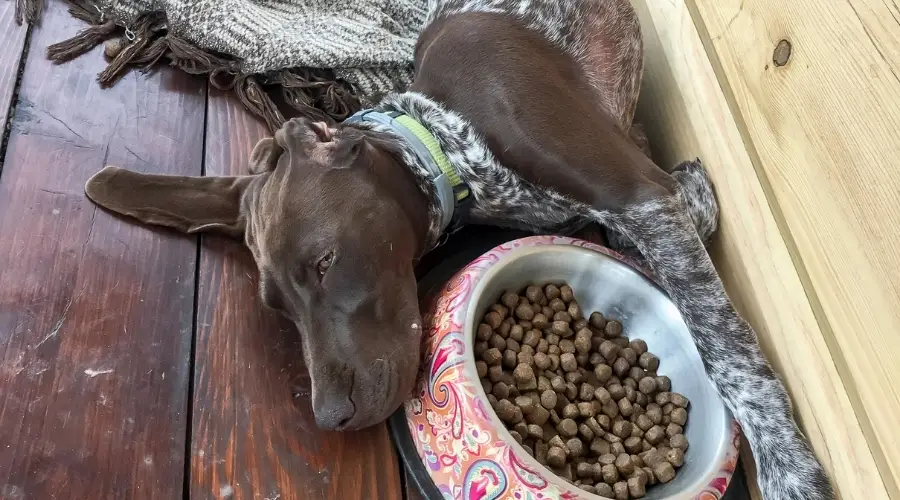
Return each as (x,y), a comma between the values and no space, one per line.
(139,363)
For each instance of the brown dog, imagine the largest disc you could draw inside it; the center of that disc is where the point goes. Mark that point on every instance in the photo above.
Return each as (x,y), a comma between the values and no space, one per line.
(519,116)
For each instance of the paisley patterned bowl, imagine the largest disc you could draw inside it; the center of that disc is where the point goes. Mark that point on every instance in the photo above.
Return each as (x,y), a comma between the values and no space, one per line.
(468,452)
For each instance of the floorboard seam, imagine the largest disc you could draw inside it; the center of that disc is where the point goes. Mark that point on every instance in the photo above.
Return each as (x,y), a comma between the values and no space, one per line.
(14,98)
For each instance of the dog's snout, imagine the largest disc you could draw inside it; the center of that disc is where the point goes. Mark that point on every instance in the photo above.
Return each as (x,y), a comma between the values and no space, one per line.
(334,411)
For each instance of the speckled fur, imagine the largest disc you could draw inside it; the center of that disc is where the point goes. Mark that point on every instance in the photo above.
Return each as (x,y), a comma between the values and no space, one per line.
(668,230)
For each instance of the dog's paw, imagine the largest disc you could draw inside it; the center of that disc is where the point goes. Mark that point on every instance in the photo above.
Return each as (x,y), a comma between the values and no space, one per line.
(788,470)
(699,197)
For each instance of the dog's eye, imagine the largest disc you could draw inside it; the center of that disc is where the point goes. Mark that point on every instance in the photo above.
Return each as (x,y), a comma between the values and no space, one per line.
(324,263)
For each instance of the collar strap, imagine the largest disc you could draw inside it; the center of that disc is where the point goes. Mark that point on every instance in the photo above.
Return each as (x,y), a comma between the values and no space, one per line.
(449,187)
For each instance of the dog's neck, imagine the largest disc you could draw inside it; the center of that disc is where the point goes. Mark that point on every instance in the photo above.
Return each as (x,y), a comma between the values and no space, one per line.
(498,195)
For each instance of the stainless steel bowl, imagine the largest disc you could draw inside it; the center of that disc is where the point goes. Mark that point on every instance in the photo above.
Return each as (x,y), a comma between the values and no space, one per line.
(602,283)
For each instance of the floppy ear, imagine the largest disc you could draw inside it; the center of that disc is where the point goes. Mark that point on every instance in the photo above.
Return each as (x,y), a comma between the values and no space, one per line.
(189,204)
(264,157)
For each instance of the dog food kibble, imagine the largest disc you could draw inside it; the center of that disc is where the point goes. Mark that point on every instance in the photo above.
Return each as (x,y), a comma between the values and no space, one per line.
(578,394)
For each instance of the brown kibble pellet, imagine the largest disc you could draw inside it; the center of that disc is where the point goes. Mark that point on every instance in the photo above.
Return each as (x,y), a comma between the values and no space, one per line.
(606,459)
(603,395)
(525,379)
(539,416)
(649,362)
(543,346)
(663,383)
(574,311)
(654,413)
(556,457)
(647,385)
(480,348)
(630,385)
(488,389)
(620,367)
(515,435)
(526,404)
(562,316)
(516,332)
(509,359)
(632,445)
(664,472)
(549,399)
(497,342)
(663,398)
(597,320)
(500,391)
(678,400)
(586,409)
(560,328)
(551,292)
(620,490)
(667,408)
(629,355)
(510,299)
(652,457)
(616,448)
(484,332)
(583,341)
(567,346)
(613,328)
(585,432)
(622,428)
(534,293)
(610,473)
(604,490)
(584,469)
(540,321)
(575,447)
(679,416)
(639,346)
(636,373)
(524,312)
(505,410)
(571,390)
(624,464)
(655,434)
(651,477)
(542,361)
(570,411)
(603,373)
(586,392)
(554,359)
(610,409)
(616,391)
(567,428)
(621,342)
(481,368)
(557,305)
(644,422)
(558,384)
(600,446)
(672,429)
(531,338)
(566,293)
(679,441)
(567,362)
(506,327)
(609,350)
(641,400)
(675,457)
(625,407)
(493,319)
(493,356)
(637,487)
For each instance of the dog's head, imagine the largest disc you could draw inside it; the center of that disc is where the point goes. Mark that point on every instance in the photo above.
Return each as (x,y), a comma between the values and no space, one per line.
(332,220)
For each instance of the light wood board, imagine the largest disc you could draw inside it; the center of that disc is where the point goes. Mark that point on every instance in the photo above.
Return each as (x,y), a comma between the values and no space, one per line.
(686,114)
(826,129)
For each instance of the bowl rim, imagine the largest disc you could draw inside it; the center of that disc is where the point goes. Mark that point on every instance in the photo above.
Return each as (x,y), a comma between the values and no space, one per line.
(537,244)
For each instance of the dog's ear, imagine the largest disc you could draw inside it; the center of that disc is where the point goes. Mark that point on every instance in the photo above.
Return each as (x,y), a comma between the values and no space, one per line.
(189,204)
(264,157)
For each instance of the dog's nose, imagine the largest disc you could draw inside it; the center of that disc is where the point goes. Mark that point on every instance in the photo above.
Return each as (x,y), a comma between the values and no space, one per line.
(334,413)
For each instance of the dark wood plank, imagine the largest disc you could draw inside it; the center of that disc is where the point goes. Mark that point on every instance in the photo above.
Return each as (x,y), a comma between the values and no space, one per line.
(12,42)
(95,312)
(253,431)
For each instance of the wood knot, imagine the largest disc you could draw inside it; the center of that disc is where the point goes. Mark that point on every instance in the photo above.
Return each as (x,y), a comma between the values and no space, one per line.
(782,53)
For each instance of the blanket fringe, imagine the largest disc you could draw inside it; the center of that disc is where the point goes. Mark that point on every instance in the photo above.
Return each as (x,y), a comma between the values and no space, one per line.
(146,44)
(29,11)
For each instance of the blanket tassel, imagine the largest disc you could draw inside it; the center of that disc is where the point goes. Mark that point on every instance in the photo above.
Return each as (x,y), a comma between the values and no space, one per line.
(81,43)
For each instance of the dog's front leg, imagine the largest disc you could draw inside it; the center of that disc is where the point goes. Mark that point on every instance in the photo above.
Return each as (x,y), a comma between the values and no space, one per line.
(661,229)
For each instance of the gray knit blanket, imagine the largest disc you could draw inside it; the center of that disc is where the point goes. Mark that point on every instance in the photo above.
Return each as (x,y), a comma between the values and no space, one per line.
(321,57)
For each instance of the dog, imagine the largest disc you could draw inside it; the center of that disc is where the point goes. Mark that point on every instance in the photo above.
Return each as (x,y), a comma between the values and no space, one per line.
(520,115)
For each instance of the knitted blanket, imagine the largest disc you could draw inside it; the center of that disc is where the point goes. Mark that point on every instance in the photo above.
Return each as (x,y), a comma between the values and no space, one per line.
(323,58)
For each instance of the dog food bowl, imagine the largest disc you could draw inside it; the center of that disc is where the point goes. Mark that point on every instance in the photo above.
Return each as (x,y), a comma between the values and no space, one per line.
(467,451)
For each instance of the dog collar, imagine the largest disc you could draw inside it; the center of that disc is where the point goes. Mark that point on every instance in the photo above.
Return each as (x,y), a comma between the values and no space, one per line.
(451,190)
